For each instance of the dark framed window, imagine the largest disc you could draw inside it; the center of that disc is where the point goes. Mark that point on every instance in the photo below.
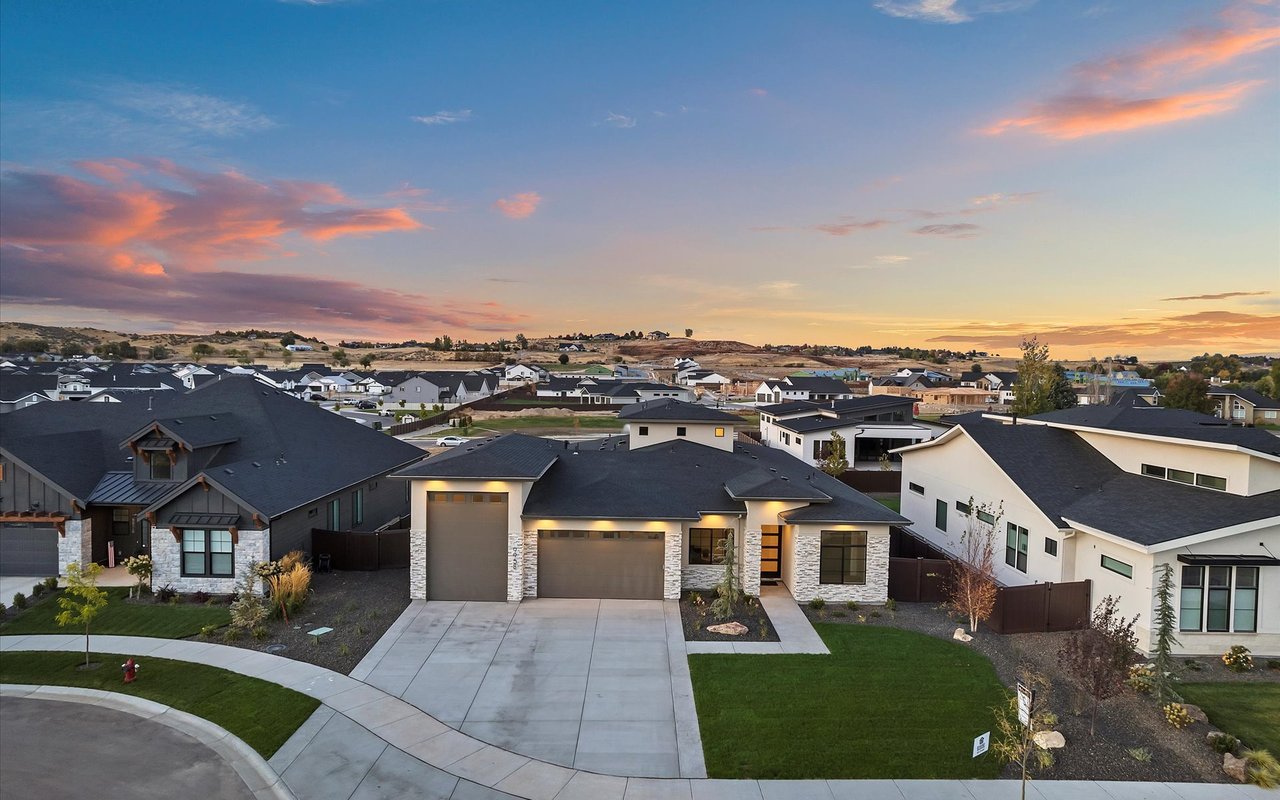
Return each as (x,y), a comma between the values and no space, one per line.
(333,514)
(643,430)
(357,507)
(207,553)
(987,517)
(1051,546)
(1191,599)
(1117,566)
(940,515)
(1245,619)
(1182,475)
(161,467)
(1217,617)
(706,545)
(1016,541)
(1152,471)
(842,558)
(121,521)
(962,507)
(681,430)
(1211,482)
(915,487)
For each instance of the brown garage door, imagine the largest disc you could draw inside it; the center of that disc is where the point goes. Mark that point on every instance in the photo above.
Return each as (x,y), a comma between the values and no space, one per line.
(466,546)
(615,564)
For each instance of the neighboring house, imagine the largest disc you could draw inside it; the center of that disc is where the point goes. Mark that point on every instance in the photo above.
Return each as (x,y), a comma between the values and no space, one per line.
(1111,493)
(571,347)
(871,427)
(703,377)
(525,373)
(901,386)
(623,392)
(682,364)
(1246,406)
(1001,383)
(955,396)
(207,482)
(19,391)
(556,386)
(298,348)
(794,387)
(656,335)
(638,516)
(419,389)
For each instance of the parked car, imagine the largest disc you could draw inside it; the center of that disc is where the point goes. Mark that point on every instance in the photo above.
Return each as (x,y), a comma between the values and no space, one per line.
(450,441)
(366,405)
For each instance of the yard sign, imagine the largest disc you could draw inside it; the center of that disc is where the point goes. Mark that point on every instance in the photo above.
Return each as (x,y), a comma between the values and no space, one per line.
(981,743)
(1026,698)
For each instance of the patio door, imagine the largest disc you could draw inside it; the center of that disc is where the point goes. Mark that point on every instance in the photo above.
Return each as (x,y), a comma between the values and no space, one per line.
(770,552)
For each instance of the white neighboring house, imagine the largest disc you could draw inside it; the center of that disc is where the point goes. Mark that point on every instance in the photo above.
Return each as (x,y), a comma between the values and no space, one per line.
(870,426)
(524,373)
(1110,494)
(703,377)
(298,348)
(795,387)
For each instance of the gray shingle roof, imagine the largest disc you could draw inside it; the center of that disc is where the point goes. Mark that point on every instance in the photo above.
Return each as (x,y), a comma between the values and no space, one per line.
(669,409)
(1173,423)
(1258,399)
(514,456)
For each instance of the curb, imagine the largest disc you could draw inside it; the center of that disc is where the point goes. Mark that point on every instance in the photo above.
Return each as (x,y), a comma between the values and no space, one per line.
(261,779)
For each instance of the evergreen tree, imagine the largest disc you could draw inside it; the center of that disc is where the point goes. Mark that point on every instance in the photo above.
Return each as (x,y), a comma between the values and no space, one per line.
(837,462)
(1061,395)
(1162,654)
(1032,391)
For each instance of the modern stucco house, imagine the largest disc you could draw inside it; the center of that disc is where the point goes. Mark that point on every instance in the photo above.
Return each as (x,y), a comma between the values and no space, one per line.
(639,515)
(871,427)
(205,481)
(1111,494)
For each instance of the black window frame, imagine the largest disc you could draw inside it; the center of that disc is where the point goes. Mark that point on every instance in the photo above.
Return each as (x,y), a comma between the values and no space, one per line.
(837,551)
(357,507)
(155,458)
(915,487)
(642,430)
(333,514)
(1218,591)
(207,553)
(940,513)
(1191,580)
(963,507)
(681,430)
(1051,546)
(1254,589)
(1016,555)
(707,543)
(1109,568)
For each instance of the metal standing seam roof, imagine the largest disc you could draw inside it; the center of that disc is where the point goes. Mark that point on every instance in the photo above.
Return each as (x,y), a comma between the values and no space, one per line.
(194,520)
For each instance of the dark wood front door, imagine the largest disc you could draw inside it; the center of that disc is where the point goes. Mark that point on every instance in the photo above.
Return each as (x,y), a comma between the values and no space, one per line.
(770,552)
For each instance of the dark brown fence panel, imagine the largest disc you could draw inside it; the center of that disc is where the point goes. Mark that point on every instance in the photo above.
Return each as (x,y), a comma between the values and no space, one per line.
(902,544)
(1041,607)
(361,550)
(873,480)
(918,580)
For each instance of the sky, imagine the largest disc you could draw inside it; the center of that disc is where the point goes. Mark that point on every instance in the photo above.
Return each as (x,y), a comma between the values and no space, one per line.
(937,173)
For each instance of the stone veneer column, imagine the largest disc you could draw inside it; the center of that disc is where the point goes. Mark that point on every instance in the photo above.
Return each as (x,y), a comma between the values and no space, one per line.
(672,551)
(750,575)
(515,566)
(76,544)
(530,563)
(417,565)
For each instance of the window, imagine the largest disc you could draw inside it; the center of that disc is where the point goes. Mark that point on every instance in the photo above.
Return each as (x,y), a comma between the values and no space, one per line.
(161,467)
(915,487)
(1182,476)
(1153,471)
(357,507)
(706,545)
(1245,619)
(940,515)
(719,433)
(1217,616)
(643,431)
(207,553)
(1211,482)
(842,558)
(1118,567)
(1051,547)
(1185,476)
(681,430)
(311,512)
(987,517)
(962,507)
(333,514)
(1015,547)
(120,522)
(1191,599)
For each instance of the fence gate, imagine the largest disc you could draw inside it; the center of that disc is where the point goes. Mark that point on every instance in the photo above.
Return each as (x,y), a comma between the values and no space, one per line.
(1041,608)
(362,550)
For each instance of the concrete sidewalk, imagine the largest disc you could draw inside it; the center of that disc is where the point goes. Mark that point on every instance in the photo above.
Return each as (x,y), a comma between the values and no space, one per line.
(365,743)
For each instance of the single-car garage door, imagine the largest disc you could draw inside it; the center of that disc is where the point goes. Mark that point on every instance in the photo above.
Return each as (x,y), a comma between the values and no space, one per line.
(467,546)
(28,551)
(615,564)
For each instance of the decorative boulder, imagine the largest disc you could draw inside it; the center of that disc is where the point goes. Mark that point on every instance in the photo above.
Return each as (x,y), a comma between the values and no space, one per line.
(1236,768)
(961,636)
(1049,740)
(1196,714)
(728,628)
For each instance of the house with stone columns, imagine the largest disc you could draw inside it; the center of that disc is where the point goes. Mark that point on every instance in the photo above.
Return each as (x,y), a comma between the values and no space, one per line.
(642,515)
(206,482)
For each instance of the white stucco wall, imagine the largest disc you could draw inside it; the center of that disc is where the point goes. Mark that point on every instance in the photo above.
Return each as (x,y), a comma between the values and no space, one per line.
(696,432)
(673,554)
(1246,475)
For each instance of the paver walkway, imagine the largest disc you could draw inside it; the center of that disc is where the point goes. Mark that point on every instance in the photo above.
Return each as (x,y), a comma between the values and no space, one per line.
(364,743)
(601,685)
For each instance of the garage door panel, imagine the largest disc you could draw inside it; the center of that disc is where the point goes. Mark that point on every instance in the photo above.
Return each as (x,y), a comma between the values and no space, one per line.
(28,551)
(467,546)
(625,565)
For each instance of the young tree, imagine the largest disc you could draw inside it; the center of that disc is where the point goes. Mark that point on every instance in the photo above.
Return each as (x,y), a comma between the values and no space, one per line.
(1014,743)
(728,590)
(288,339)
(339,357)
(81,600)
(1165,623)
(971,589)
(1188,390)
(522,342)
(1098,657)
(564,358)
(201,349)
(366,360)
(159,352)
(837,462)
(1031,392)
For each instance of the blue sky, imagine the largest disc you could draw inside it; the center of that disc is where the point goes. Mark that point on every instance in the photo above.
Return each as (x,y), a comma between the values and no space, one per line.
(952,173)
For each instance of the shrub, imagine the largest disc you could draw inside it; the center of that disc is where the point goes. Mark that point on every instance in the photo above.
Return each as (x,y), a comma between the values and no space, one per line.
(1273,663)
(260,632)
(875,614)
(852,605)
(207,631)
(1177,715)
(1193,665)
(37,590)
(50,582)
(1224,743)
(1238,659)
(1142,678)
(817,603)
(1263,769)
(344,649)
(1142,754)
(3,610)
(890,605)
(231,634)
(19,601)
(166,593)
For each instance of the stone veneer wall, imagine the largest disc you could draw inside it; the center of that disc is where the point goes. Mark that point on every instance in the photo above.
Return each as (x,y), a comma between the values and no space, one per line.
(76,545)
(417,565)
(515,566)
(804,579)
(166,555)
(701,576)
(750,545)
(531,564)
(672,556)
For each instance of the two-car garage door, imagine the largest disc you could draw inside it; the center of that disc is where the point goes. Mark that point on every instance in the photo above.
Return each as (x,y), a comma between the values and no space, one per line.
(611,564)
(31,552)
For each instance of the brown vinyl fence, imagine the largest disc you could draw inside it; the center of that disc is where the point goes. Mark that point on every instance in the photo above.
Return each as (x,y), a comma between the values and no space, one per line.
(869,480)
(361,550)
(918,580)
(1041,607)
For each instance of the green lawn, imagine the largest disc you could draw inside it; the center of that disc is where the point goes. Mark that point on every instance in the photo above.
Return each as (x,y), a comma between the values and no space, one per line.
(567,423)
(263,714)
(886,703)
(1248,711)
(891,503)
(160,620)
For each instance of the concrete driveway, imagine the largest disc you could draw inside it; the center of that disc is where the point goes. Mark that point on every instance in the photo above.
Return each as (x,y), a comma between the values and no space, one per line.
(12,584)
(599,685)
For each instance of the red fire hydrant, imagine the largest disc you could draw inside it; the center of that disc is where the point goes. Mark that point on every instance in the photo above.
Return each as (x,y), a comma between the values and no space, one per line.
(130,669)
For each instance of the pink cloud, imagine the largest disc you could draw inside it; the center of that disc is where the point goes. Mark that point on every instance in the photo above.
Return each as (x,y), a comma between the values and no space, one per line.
(518,206)
(758,92)
(850,227)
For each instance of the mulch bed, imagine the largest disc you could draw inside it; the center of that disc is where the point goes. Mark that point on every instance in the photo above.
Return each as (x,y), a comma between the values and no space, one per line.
(696,617)
(1128,721)
(359,606)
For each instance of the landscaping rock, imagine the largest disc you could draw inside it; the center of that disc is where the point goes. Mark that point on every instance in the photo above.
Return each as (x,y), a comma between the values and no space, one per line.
(961,636)
(1049,740)
(1196,714)
(729,628)
(1236,768)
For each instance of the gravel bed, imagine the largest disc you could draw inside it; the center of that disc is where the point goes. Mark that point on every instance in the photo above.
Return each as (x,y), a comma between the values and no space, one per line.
(359,606)
(1125,722)
(695,617)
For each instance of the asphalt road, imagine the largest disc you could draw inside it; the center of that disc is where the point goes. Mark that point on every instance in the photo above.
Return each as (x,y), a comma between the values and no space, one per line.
(50,748)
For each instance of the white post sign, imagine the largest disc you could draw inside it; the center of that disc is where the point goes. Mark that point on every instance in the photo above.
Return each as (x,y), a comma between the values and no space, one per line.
(981,743)
(1026,698)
